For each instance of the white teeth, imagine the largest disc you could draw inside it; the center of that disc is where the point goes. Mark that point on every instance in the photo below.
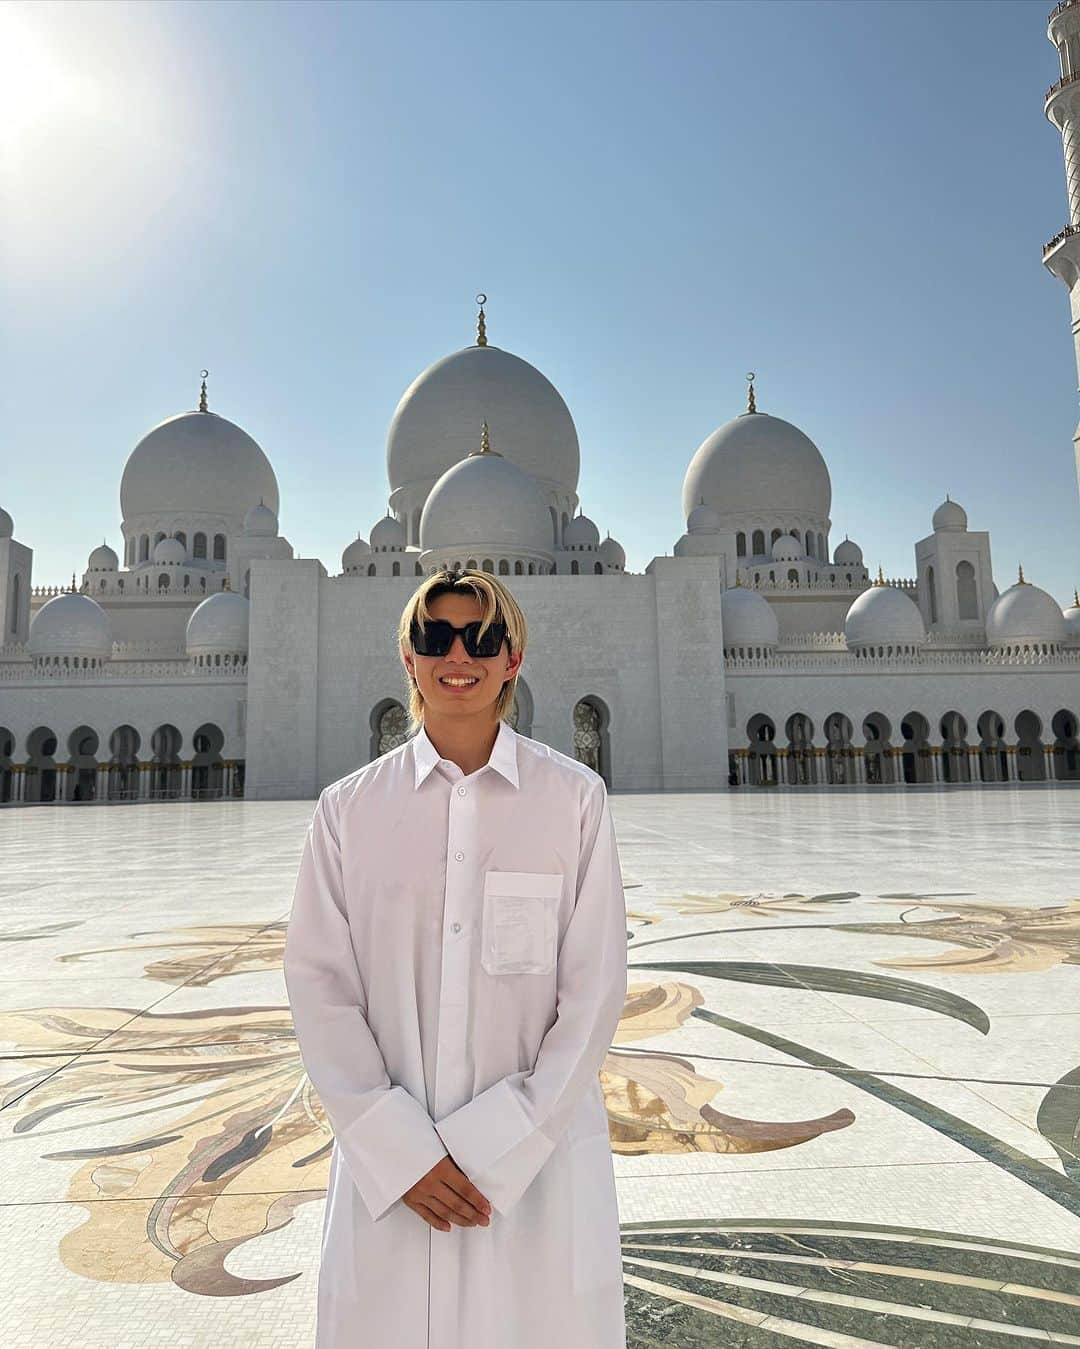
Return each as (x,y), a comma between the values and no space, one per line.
(457,683)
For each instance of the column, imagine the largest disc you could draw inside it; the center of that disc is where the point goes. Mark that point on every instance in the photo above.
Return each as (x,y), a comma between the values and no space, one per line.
(18,784)
(228,777)
(101,783)
(1010,763)
(144,781)
(1048,753)
(185,780)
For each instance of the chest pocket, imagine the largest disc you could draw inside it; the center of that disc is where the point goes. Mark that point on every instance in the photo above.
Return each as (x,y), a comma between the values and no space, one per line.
(520,921)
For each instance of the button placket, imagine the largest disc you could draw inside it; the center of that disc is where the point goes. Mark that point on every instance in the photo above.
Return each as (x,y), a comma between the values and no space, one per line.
(461,850)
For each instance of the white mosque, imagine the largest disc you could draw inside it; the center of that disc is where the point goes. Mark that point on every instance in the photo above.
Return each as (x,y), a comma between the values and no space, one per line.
(212,662)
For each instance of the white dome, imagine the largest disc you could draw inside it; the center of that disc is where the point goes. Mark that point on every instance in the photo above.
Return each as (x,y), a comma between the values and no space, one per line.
(613,553)
(1071,615)
(950,515)
(486,499)
(7,525)
(261,522)
(1024,616)
(388,532)
(436,423)
(71,625)
(747,618)
(883,616)
(702,520)
(580,532)
(219,625)
(848,554)
(356,554)
(787,549)
(196,463)
(758,463)
(170,553)
(102,559)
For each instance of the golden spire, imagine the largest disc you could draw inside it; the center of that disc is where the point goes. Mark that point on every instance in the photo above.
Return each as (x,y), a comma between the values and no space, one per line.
(481,325)
(485,443)
(880,581)
(751,405)
(225,582)
(73,583)
(202,393)
(1076,599)
(1020,578)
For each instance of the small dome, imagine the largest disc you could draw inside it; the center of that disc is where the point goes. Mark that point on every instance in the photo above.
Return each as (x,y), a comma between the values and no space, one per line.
(1024,616)
(883,616)
(757,462)
(702,520)
(747,619)
(581,533)
(356,554)
(261,522)
(7,525)
(612,553)
(219,625)
(102,559)
(485,498)
(170,553)
(196,463)
(848,554)
(387,533)
(71,625)
(950,515)
(1071,615)
(787,549)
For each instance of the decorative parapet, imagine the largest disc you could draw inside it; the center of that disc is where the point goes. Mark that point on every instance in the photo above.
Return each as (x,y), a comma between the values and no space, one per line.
(847,662)
(149,651)
(125,673)
(813,641)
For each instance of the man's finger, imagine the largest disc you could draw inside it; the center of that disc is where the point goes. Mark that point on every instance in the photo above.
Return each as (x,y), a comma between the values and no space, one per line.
(461,1205)
(464,1186)
(429,1217)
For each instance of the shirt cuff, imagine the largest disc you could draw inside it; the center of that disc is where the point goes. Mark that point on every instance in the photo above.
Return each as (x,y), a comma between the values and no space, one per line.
(389,1148)
(494,1142)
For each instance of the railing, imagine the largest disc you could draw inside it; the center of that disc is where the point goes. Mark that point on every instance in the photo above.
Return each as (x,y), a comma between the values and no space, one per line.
(1066,233)
(1058,85)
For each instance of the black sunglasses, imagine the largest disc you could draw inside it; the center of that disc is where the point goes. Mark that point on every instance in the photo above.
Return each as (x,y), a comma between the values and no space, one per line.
(436,637)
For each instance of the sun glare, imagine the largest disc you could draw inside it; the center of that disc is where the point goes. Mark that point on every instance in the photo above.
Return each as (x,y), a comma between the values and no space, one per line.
(31,83)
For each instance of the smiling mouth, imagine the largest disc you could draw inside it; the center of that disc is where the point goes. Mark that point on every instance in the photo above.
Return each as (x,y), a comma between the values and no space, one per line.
(458,682)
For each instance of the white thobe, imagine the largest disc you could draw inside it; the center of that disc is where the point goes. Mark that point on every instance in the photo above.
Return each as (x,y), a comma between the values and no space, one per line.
(456,967)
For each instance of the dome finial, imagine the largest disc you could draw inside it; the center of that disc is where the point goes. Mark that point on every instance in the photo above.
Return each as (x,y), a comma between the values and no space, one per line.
(751,404)
(202,393)
(481,324)
(1020,577)
(225,582)
(73,583)
(1076,598)
(880,580)
(485,438)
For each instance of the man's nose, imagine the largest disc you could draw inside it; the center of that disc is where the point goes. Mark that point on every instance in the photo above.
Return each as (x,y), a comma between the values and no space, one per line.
(457,648)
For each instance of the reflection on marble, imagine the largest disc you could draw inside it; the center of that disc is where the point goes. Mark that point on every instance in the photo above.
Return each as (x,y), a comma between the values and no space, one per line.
(843,1099)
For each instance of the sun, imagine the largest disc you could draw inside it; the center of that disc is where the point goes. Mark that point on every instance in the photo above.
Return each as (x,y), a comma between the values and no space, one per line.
(31,83)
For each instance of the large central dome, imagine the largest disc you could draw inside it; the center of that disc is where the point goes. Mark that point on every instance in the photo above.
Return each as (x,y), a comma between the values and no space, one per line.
(196,463)
(758,464)
(438,419)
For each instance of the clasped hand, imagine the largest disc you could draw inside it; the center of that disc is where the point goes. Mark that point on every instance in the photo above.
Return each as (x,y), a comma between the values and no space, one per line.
(446,1195)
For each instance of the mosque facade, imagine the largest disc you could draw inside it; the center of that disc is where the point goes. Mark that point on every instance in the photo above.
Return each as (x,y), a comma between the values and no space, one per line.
(206,660)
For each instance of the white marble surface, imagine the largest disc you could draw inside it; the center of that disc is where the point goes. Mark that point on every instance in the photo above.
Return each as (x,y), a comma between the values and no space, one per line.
(141,996)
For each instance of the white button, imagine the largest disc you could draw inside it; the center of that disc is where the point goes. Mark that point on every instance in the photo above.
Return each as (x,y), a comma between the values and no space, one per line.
(455,927)
(459,855)
(461,791)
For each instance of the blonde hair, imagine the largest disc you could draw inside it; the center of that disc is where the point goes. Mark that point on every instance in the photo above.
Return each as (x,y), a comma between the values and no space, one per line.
(499,606)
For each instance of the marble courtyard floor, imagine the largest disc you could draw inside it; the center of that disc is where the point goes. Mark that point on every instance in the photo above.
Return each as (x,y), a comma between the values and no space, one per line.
(844,1098)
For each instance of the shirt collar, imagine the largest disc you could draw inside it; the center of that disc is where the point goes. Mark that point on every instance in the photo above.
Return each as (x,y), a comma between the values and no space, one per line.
(503,757)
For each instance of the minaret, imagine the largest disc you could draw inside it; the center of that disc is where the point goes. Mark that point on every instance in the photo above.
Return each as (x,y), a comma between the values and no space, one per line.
(1062,254)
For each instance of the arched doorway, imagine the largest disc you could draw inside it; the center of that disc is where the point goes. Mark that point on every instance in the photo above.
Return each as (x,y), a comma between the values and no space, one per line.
(761,751)
(592,744)
(1066,746)
(915,755)
(165,772)
(955,761)
(40,785)
(7,768)
(877,751)
(1030,759)
(82,764)
(801,760)
(123,780)
(389,727)
(839,754)
(207,768)
(993,755)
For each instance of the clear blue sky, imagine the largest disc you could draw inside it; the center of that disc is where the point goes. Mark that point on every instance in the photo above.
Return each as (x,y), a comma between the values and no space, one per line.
(848,198)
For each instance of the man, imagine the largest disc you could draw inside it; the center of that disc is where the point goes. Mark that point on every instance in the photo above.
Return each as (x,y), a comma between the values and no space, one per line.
(456,966)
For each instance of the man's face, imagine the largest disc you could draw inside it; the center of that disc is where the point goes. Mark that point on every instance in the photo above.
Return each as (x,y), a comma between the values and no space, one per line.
(489,672)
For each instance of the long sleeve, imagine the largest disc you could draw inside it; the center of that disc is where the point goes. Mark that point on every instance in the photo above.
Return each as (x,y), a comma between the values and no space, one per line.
(386,1137)
(503,1136)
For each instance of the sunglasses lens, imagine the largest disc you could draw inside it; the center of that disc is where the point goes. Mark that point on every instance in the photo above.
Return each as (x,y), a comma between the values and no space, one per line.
(436,637)
(488,645)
